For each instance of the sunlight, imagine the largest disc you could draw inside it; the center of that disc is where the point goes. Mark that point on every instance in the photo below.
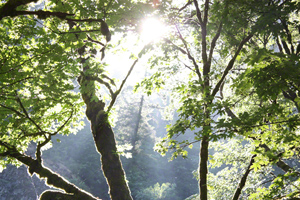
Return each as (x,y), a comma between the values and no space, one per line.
(152,30)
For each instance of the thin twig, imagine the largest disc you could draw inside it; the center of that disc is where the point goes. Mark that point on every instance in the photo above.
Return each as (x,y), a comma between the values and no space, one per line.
(190,56)
(114,97)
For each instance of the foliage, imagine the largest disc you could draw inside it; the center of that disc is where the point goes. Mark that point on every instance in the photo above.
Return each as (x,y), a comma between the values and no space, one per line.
(45,48)
(232,79)
(232,68)
(158,192)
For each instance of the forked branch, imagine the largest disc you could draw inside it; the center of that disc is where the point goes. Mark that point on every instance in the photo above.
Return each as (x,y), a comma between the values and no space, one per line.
(230,64)
(115,95)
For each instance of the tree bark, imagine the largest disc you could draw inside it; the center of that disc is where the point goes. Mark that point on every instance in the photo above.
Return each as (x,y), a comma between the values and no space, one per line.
(110,160)
(203,168)
(34,166)
(105,141)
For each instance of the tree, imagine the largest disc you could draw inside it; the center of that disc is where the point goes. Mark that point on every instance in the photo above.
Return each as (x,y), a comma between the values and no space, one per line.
(212,42)
(45,47)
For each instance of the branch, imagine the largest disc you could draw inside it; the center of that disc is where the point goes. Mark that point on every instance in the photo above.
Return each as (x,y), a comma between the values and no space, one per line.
(12,109)
(95,41)
(198,12)
(289,36)
(99,80)
(230,64)
(9,8)
(26,113)
(64,124)
(190,68)
(206,7)
(38,148)
(281,164)
(86,31)
(5,145)
(243,180)
(114,97)
(86,20)
(177,47)
(186,5)
(4,154)
(285,46)
(43,14)
(52,178)
(190,56)
(213,43)
(279,45)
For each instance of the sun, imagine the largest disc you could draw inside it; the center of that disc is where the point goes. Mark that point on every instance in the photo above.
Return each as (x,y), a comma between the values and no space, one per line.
(152,30)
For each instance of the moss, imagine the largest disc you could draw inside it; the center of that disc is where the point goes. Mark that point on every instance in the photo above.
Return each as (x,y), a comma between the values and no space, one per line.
(52,194)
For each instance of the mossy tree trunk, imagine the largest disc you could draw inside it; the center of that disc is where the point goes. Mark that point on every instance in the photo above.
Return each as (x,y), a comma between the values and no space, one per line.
(105,141)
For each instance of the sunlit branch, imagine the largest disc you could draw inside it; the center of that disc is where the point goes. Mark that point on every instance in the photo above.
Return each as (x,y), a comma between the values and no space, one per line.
(186,5)
(295,196)
(230,64)
(65,123)
(177,47)
(243,180)
(285,46)
(111,80)
(114,97)
(33,134)
(86,20)
(95,41)
(190,56)
(34,166)
(187,66)
(99,80)
(81,31)
(213,43)
(206,7)
(39,146)
(44,14)
(188,144)
(279,45)
(198,12)
(279,163)
(203,24)
(26,113)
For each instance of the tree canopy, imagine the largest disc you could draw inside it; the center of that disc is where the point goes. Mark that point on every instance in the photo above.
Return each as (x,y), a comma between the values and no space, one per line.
(229,67)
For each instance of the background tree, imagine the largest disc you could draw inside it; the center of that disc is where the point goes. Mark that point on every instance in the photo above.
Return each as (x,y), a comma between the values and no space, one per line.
(210,42)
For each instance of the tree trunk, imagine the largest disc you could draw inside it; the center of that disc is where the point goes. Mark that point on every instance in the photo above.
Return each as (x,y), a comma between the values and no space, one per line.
(105,141)
(203,168)
(136,128)
(110,160)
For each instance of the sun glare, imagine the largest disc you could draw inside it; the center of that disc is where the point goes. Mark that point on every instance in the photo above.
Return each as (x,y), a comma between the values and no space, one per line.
(152,30)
